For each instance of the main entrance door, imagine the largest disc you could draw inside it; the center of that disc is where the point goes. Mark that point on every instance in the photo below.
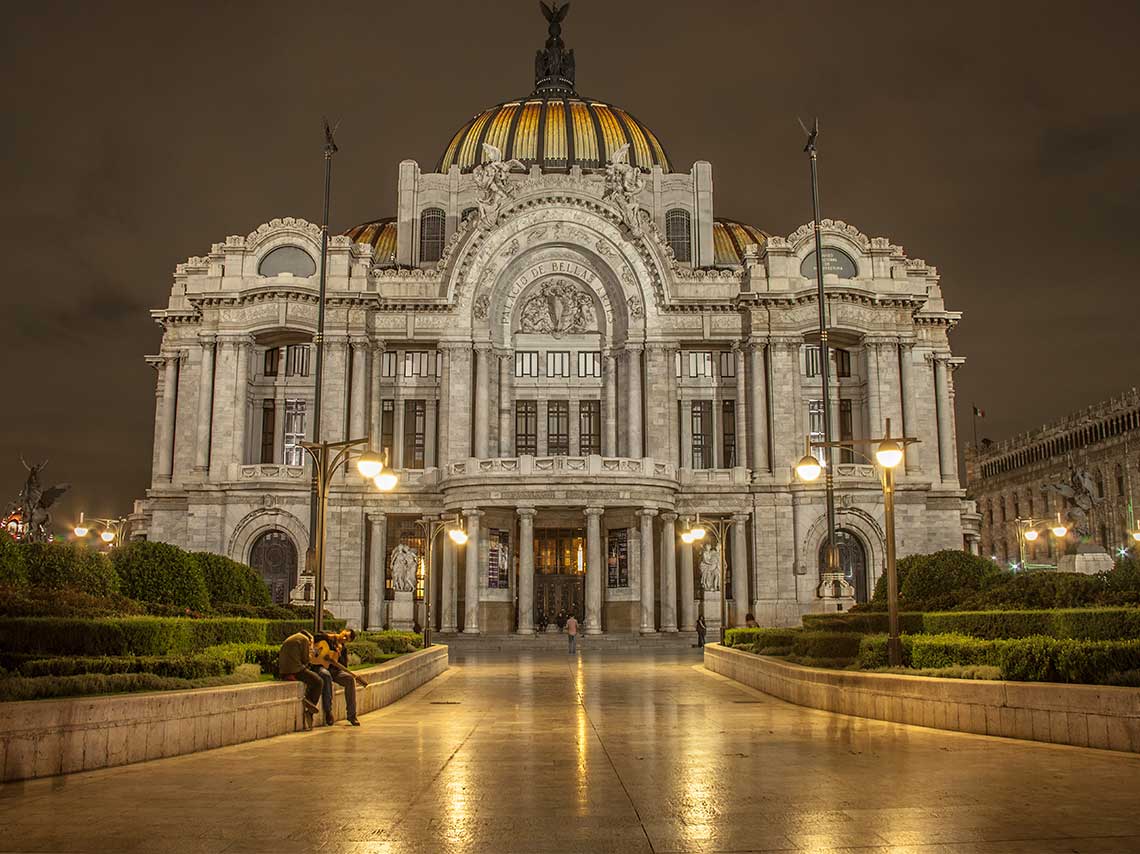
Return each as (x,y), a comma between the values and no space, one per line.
(275,558)
(559,575)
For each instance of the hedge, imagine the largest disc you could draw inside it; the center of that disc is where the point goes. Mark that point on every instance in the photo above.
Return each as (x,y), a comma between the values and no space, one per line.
(865,622)
(392,641)
(44,687)
(56,566)
(263,655)
(1086,623)
(231,582)
(13,569)
(32,602)
(159,572)
(178,666)
(828,645)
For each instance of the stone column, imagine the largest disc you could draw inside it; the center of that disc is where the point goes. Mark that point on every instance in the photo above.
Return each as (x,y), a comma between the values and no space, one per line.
(668,572)
(506,431)
(430,419)
(741,407)
(444,449)
(475,571)
(609,417)
(482,402)
(634,445)
(686,407)
(377,357)
(377,569)
(241,399)
(913,458)
(336,386)
(758,410)
(672,416)
(526,570)
(595,570)
(946,456)
(358,427)
(448,591)
(740,598)
(874,406)
(657,437)
(205,404)
(169,402)
(648,625)
(688,600)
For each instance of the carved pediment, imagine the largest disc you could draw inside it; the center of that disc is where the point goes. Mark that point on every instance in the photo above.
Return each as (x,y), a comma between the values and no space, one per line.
(559,307)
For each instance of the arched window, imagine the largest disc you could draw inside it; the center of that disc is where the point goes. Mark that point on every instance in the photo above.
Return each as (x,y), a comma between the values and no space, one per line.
(679,233)
(274,556)
(431,235)
(852,561)
(287,259)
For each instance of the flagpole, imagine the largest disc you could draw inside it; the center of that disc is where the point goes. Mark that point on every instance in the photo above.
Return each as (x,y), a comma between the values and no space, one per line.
(974,406)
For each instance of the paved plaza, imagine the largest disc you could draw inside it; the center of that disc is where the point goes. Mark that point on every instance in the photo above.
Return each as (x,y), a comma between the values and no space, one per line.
(608,753)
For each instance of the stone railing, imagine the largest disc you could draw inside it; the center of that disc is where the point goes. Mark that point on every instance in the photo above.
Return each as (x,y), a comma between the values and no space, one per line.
(527,466)
(857,471)
(738,476)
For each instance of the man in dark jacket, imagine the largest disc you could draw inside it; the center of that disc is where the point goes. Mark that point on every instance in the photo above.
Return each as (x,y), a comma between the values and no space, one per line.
(293,664)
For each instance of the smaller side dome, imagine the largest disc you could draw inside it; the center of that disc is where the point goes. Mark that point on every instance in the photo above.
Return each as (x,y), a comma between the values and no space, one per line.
(729,239)
(380,234)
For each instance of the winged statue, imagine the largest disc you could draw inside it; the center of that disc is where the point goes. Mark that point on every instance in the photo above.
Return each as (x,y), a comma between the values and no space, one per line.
(492,178)
(624,183)
(33,504)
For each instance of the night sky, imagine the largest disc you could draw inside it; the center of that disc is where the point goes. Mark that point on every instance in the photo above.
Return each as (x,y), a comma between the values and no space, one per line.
(996,140)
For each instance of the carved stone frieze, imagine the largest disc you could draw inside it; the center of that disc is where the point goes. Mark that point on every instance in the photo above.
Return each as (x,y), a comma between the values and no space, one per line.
(560,307)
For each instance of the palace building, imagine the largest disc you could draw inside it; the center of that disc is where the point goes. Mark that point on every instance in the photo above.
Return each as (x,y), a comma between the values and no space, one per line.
(560,338)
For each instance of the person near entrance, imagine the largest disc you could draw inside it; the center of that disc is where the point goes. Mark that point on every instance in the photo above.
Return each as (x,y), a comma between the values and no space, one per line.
(572,633)
(701,630)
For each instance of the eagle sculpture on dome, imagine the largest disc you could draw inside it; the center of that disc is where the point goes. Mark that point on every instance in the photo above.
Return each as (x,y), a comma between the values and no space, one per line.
(553,61)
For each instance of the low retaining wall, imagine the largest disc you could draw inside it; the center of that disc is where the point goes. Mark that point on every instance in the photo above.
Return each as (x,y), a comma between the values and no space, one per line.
(40,738)
(1081,715)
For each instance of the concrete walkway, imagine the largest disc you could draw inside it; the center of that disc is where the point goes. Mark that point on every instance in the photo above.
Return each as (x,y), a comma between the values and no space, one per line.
(607,753)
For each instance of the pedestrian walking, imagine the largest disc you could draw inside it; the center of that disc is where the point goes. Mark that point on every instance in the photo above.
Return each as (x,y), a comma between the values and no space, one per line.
(572,633)
(701,630)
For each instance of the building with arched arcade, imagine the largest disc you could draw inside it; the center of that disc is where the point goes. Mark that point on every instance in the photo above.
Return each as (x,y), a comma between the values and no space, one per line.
(559,338)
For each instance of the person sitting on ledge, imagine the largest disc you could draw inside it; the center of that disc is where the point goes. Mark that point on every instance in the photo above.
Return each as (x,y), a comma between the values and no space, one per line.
(750,621)
(330,653)
(293,664)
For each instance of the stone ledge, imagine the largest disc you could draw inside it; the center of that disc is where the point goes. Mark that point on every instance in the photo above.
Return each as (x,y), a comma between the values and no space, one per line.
(1081,715)
(41,738)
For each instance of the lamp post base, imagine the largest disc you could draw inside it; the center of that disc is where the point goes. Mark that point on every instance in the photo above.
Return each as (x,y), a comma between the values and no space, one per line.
(834,587)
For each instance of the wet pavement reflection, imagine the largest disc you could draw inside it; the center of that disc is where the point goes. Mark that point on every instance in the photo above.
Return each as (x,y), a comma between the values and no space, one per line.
(601,752)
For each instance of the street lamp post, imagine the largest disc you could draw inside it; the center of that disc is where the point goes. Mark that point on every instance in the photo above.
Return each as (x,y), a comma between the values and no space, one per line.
(111,534)
(888,454)
(1028,531)
(327,456)
(718,527)
(431,528)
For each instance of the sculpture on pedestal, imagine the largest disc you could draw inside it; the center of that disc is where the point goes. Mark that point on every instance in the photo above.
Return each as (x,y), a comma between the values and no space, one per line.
(403,566)
(1079,494)
(29,517)
(710,568)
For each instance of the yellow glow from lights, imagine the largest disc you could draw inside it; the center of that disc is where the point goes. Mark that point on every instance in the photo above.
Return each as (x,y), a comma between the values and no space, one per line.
(1060,530)
(81,531)
(1031,535)
(107,536)
(889,454)
(697,533)
(385,481)
(808,468)
(686,538)
(458,536)
(370,464)
(1136,536)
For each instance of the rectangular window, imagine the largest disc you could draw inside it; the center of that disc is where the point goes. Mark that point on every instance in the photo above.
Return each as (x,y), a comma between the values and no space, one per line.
(846,430)
(589,427)
(559,551)
(297,360)
(815,426)
(727,364)
(677,362)
(499,559)
(388,429)
(526,363)
(728,433)
(842,362)
(617,558)
(811,361)
(700,364)
(558,428)
(294,432)
(590,363)
(419,363)
(526,427)
(388,361)
(268,429)
(272,357)
(415,421)
(558,364)
(700,414)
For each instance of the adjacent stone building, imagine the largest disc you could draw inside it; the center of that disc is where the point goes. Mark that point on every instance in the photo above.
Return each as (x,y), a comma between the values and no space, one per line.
(1008,480)
(559,339)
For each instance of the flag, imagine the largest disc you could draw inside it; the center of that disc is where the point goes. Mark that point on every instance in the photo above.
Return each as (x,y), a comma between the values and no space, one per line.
(979,413)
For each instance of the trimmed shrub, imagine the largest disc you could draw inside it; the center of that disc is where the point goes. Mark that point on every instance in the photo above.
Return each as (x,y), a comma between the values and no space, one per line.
(829,645)
(60,566)
(1086,624)
(263,655)
(864,622)
(742,638)
(13,571)
(392,641)
(873,651)
(33,602)
(1040,590)
(258,612)
(944,578)
(178,667)
(44,687)
(929,651)
(160,572)
(231,582)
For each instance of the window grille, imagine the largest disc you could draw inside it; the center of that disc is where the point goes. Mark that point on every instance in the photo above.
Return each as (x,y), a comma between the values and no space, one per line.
(294,432)
(419,363)
(678,233)
(388,428)
(558,428)
(415,429)
(268,429)
(617,558)
(297,360)
(388,361)
(842,362)
(431,235)
(526,427)
(728,432)
(589,427)
(846,430)
(815,427)
(701,363)
(727,364)
(811,361)
(272,358)
(701,420)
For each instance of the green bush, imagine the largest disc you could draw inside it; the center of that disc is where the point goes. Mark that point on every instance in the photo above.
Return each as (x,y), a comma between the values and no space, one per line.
(263,655)
(865,622)
(13,571)
(178,666)
(44,687)
(872,653)
(948,650)
(1085,623)
(826,645)
(392,641)
(258,612)
(1122,583)
(1040,590)
(34,602)
(742,638)
(942,579)
(59,566)
(231,582)
(160,572)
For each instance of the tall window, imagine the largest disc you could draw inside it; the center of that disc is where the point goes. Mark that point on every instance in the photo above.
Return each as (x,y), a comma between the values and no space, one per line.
(701,364)
(294,432)
(499,559)
(415,428)
(526,427)
(558,364)
(272,358)
(526,363)
(811,361)
(431,235)
(419,363)
(388,363)
(728,432)
(617,558)
(679,233)
(846,430)
(842,362)
(558,428)
(727,364)
(388,428)
(589,363)
(559,551)
(297,360)
(815,426)
(268,429)
(589,427)
(701,420)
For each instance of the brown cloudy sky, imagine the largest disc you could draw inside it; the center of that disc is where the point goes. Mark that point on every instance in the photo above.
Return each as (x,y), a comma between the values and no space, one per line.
(997,140)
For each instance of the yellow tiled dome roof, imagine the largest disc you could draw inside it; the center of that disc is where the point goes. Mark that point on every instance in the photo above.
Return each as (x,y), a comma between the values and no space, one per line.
(729,239)
(381,236)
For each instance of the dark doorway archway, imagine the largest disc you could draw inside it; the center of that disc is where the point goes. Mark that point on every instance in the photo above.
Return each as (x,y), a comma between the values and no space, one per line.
(274,556)
(852,561)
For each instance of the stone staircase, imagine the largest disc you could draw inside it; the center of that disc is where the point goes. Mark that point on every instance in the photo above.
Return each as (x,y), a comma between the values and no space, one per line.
(556,642)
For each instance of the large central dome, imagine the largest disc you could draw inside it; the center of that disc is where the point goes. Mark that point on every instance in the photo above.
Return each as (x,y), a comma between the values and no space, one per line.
(554,126)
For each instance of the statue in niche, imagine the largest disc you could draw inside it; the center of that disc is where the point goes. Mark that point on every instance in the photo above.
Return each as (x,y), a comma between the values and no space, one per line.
(559,308)
(402,567)
(624,183)
(710,568)
(492,179)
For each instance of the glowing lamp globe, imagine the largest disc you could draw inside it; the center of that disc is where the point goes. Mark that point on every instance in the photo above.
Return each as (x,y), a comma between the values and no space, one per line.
(1031,535)
(107,536)
(370,464)
(1136,536)
(458,536)
(889,454)
(686,538)
(385,481)
(1060,530)
(697,533)
(81,530)
(808,468)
